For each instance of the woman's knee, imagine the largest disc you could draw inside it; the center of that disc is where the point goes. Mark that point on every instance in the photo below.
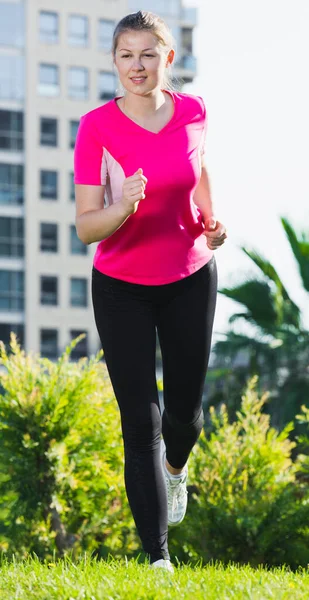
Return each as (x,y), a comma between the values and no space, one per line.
(185,423)
(142,432)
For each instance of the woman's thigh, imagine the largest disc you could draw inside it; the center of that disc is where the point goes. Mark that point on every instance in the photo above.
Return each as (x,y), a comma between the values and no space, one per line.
(185,329)
(126,328)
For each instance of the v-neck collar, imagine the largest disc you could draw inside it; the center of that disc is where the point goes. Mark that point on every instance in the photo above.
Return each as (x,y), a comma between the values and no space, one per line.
(134,124)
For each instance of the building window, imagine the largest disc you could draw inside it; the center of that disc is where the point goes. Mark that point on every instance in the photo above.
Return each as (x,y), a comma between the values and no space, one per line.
(48,132)
(81,349)
(48,80)
(12,85)
(49,27)
(49,290)
(5,334)
(72,186)
(76,245)
(49,343)
(78,83)
(105,34)
(12,22)
(73,132)
(78,30)
(11,184)
(49,237)
(11,130)
(49,184)
(12,237)
(79,295)
(11,290)
(107,85)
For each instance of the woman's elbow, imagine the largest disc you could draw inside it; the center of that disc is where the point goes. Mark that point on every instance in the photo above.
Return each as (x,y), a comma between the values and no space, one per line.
(81,234)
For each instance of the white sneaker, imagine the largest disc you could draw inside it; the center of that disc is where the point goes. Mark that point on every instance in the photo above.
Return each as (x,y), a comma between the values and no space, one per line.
(163,563)
(177,494)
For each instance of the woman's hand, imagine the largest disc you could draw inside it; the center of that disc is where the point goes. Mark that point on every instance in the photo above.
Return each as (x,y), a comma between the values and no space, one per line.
(133,190)
(215,233)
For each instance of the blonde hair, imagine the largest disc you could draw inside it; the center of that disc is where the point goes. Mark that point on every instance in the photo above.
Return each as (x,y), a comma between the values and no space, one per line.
(147,21)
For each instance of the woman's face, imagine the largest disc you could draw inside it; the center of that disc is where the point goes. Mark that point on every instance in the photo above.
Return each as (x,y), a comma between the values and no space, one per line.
(141,62)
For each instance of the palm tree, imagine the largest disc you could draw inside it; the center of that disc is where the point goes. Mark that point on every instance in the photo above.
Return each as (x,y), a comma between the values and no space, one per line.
(278,348)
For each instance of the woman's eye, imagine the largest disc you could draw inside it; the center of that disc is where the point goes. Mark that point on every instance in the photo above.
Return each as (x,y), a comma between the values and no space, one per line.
(128,55)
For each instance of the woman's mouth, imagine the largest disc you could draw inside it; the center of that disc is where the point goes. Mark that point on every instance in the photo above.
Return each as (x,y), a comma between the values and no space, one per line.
(138,79)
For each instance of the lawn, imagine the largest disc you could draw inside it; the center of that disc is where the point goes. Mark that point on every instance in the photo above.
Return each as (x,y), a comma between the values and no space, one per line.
(91,579)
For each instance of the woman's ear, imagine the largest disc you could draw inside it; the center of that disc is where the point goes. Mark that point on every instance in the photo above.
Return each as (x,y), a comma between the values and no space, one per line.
(170,57)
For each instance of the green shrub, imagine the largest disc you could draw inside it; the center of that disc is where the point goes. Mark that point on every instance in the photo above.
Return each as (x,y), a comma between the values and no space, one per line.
(61,473)
(61,458)
(303,445)
(244,505)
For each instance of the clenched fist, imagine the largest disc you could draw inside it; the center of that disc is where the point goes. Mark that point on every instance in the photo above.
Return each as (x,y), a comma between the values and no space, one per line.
(215,233)
(133,190)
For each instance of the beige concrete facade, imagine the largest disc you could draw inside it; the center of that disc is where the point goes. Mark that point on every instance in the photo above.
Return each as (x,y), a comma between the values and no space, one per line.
(35,157)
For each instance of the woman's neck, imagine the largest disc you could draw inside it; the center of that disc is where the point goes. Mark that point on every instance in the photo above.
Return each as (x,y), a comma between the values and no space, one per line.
(143,106)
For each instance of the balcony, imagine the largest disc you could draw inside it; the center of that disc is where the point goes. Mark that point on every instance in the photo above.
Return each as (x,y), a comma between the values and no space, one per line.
(189,16)
(11,194)
(187,63)
(170,8)
(11,301)
(10,140)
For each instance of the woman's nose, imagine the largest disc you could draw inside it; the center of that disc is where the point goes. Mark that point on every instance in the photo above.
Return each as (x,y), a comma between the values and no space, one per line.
(137,65)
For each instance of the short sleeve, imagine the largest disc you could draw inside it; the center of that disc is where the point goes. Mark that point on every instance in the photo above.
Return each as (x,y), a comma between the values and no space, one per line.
(88,154)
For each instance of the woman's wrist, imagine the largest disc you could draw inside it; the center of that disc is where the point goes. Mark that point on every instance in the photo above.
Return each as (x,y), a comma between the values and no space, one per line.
(126,209)
(210,222)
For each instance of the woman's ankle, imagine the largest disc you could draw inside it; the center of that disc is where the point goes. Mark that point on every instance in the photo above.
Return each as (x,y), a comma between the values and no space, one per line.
(171,469)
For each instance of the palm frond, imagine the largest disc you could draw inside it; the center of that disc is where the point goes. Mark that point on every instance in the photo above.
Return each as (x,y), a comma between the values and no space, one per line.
(287,311)
(264,265)
(300,249)
(256,296)
(237,316)
(234,344)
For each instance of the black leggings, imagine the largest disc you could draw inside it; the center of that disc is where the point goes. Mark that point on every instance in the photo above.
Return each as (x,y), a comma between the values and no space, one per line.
(127,316)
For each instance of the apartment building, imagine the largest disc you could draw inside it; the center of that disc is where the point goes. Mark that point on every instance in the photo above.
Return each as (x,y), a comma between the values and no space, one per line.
(55,65)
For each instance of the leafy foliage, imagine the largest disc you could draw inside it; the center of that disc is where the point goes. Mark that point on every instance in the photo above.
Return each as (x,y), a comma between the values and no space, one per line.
(61,457)
(62,491)
(277,350)
(245,505)
(300,248)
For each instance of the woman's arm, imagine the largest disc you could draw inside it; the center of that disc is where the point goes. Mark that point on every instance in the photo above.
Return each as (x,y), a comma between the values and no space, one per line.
(202,194)
(215,232)
(94,222)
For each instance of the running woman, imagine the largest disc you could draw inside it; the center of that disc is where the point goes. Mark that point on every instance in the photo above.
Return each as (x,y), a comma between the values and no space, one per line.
(154,268)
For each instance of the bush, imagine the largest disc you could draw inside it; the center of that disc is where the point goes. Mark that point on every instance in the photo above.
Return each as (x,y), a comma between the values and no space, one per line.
(245,505)
(61,473)
(61,458)
(303,445)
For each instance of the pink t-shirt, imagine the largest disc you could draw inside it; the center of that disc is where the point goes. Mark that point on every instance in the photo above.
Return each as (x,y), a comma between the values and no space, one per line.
(162,241)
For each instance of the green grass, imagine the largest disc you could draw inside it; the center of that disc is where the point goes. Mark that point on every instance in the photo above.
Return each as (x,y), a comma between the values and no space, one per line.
(91,579)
